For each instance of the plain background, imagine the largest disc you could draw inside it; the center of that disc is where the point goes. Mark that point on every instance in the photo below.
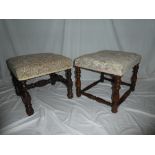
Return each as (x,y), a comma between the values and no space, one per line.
(75,37)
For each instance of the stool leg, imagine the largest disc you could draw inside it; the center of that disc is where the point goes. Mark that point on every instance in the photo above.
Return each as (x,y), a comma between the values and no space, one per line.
(134,77)
(53,78)
(102,77)
(26,98)
(16,84)
(115,93)
(69,83)
(78,81)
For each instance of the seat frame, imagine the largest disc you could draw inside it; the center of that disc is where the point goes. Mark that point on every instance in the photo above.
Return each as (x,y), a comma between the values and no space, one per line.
(21,88)
(116,85)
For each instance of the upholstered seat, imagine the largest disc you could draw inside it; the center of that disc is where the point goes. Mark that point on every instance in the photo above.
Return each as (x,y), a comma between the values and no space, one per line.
(26,67)
(112,62)
(34,65)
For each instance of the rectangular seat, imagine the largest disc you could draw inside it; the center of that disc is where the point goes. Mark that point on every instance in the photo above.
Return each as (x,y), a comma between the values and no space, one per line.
(113,63)
(34,65)
(25,67)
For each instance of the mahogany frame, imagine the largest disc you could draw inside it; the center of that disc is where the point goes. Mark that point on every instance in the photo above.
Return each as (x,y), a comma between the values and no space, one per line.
(116,83)
(21,88)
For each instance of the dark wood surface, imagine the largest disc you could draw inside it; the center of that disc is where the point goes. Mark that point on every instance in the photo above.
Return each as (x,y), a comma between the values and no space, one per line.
(102,77)
(21,87)
(40,83)
(122,83)
(69,83)
(116,85)
(55,78)
(91,85)
(115,93)
(78,81)
(98,99)
(124,96)
(26,98)
(134,77)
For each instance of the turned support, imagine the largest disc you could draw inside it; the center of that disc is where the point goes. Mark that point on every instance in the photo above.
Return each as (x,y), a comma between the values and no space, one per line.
(115,93)
(102,77)
(53,78)
(134,77)
(69,83)
(26,98)
(78,81)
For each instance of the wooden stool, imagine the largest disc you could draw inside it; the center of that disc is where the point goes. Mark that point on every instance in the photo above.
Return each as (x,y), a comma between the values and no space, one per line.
(23,68)
(113,63)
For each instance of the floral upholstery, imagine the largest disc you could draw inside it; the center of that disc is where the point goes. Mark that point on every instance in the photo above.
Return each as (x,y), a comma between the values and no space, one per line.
(34,65)
(112,62)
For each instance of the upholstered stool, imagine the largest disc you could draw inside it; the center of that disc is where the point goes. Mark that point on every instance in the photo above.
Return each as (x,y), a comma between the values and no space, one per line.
(23,68)
(113,63)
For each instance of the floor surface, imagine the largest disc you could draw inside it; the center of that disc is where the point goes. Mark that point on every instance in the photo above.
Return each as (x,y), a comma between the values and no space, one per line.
(55,114)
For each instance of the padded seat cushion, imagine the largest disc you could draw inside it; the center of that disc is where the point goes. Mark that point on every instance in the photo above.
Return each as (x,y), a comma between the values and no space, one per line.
(111,62)
(34,65)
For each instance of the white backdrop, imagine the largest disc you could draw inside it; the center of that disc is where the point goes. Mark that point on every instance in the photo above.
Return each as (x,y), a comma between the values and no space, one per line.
(74,37)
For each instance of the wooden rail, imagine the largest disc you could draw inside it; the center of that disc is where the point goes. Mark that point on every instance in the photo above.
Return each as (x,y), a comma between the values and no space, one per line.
(98,99)
(45,82)
(91,85)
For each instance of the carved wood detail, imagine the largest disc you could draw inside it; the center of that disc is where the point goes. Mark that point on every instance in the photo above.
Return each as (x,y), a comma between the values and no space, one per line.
(116,82)
(78,81)
(124,96)
(102,77)
(26,98)
(91,85)
(134,77)
(40,83)
(112,81)
(115,93)
(69,83)
(98,99)
(21,88)
(53,78)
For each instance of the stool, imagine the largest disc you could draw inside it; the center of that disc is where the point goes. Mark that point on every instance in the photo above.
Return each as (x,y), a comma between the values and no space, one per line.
(26,67)
(113,63)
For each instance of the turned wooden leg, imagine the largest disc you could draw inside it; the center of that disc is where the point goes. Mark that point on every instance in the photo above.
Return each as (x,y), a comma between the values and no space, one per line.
(134,77)
(69,83)
(102,77)
(53,78)
(78,81)
(115,93)
(26,98)
(16,84)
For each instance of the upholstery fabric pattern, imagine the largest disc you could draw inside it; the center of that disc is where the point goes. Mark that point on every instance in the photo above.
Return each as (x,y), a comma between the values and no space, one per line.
(111,62)
(34,65)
